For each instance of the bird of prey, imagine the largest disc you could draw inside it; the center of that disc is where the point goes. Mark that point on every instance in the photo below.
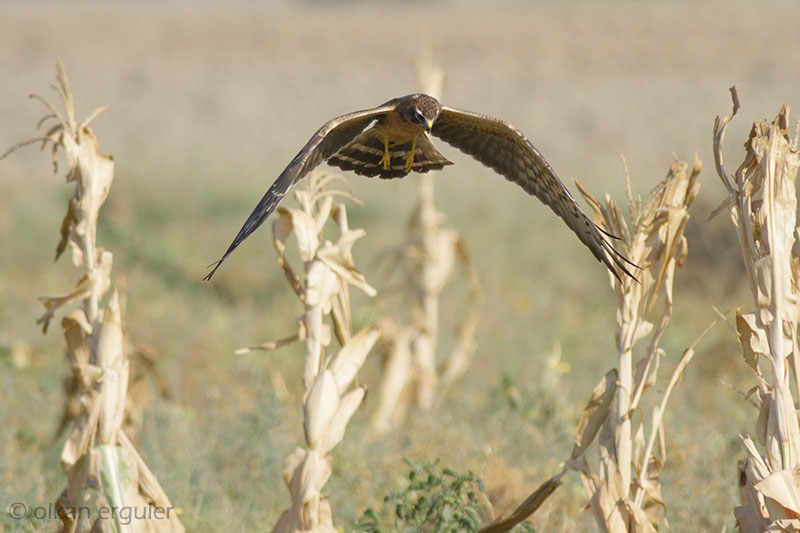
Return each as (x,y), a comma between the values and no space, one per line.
(393,139)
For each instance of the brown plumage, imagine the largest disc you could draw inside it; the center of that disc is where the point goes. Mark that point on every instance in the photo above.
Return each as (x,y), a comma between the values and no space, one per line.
(391,140)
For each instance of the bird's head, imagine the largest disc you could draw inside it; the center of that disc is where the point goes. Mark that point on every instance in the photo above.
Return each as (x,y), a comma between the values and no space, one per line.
(420,109)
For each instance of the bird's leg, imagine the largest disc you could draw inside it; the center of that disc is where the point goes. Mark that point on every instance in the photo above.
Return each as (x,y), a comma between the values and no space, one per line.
(410,156)
(386,161)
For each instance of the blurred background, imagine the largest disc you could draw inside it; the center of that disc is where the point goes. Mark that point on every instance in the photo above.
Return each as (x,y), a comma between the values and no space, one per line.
(208,103)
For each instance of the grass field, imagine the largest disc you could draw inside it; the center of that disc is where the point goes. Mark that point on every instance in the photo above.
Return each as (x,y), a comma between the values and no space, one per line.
(207,105)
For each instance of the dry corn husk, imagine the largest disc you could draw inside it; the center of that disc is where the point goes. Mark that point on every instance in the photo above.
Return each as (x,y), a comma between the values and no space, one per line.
(762,203)
(624,488)
(99,461)
(329,399)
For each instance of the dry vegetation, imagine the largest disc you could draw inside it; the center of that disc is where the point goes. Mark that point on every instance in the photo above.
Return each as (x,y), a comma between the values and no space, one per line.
(625,491)
(623,488)
(763,207)
(425,262)
(329,401)
(109,487)
(236,424)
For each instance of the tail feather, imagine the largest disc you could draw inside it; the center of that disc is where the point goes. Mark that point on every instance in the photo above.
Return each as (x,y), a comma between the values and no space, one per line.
(364,154)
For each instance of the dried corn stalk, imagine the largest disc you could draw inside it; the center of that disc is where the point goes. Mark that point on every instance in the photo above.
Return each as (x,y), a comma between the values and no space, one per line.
(105,475)
(628,498)
(625,492)
(143,365)
(763,206)
(427,259)
(329,400)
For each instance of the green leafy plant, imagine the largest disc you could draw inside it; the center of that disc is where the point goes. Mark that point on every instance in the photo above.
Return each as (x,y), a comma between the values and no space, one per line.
(436,500)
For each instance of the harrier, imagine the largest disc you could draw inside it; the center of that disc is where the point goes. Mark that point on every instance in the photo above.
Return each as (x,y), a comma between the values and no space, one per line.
(393,139)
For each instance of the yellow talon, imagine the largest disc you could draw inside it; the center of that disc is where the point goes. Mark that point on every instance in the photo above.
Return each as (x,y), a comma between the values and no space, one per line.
(386,161)
(410,157)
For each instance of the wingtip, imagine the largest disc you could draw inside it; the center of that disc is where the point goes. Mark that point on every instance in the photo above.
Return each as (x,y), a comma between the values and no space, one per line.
(215,265)
(616,260)
(619,262)
(625,270)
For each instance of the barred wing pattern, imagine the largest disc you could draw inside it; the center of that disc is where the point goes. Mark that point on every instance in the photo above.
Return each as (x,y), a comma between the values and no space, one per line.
(328,140)
(501,146)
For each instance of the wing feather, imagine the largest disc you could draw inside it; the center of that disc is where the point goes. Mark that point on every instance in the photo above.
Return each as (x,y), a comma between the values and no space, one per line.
(328,140)
(501,146)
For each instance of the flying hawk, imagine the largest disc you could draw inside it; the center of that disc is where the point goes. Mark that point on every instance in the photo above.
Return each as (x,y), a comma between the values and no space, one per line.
(391,140)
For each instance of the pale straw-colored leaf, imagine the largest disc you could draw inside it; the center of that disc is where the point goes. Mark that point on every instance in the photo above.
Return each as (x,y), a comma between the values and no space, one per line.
(350,358)
(320,407)
(95,283)
(783,407)
(110,355)
(109,349)
(282,226)
(638,448)
(292,473)
(396,374)
(603,505)
(466,343)
(757,469)
(594,413)
(65,93)
(110,400)
(783,486)
(642,329)
(83,432)
(645,373)
(347,407)
(270,346)
(752,338)
(76,329)
(305,472)
(316,470)
(67,223)
(640,522)
(440,264)
(122,395)
(91,116)
(347,239)
(343,267)
(324,207)
(321,284)
(151,490)
(459,359)
(312,321)
(720,127)
(608,495)
(341,316)
(281,229)
(303,226)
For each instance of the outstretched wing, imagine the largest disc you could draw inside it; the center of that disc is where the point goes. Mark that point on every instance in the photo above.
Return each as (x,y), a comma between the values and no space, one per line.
(501,146)
(328,140)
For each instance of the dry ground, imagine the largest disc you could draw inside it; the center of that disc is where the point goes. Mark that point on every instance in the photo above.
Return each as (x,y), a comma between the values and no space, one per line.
(208,103)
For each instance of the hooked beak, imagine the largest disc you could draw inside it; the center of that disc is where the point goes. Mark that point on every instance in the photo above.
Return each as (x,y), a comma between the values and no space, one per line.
(428,125)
